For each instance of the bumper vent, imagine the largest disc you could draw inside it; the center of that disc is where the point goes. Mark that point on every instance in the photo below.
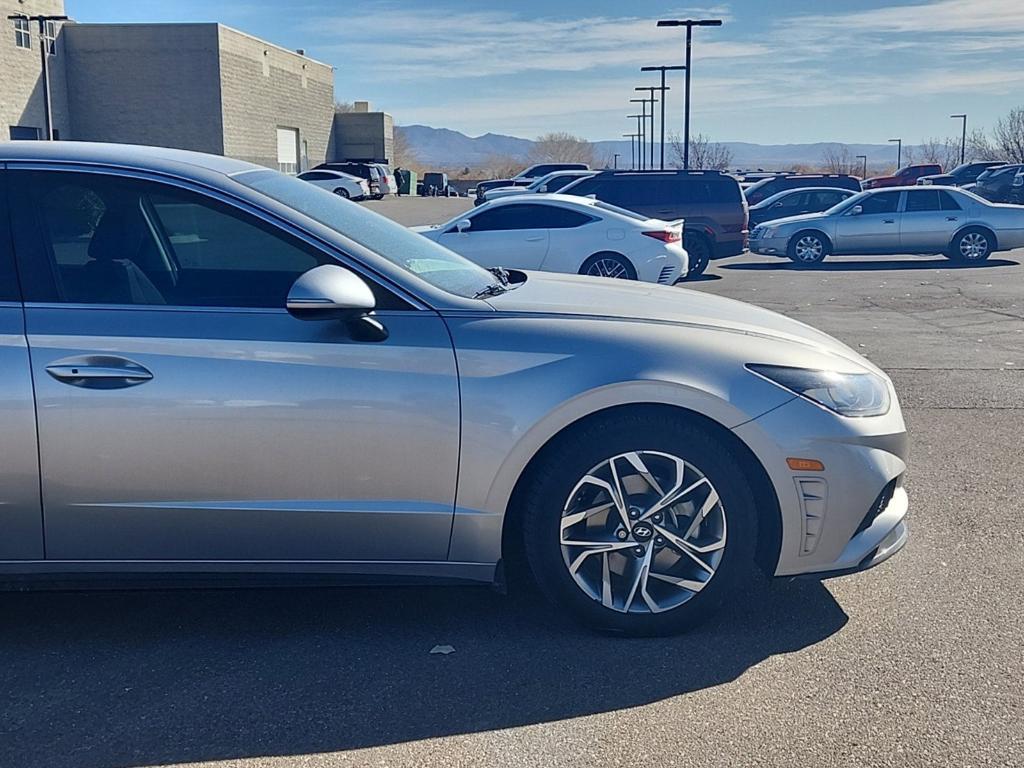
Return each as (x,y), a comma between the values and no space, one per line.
(879,504)
(813,501)
(666,275)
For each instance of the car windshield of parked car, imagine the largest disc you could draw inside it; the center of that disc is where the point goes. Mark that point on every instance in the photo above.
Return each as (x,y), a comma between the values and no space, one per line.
(426,259)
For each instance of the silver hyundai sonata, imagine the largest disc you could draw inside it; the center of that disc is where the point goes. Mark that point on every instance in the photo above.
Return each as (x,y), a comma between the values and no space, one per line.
(208,367)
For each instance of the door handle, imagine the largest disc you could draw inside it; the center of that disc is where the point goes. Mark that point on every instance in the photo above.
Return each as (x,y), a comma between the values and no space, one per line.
(535,239)
(888,221)
(951,218)
(98,372)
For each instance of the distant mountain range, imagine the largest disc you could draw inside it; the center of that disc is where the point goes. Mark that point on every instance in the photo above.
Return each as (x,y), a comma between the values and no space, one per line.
(443,147)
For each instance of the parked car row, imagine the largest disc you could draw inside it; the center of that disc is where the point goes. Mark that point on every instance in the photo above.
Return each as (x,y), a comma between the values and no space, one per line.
(312,389)
(377,176)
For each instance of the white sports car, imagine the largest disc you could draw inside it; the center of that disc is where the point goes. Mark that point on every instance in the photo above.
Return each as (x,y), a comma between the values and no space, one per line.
(564,233)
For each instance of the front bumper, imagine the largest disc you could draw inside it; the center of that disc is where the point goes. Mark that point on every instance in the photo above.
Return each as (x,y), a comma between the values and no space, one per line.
(770,246)
(849,517)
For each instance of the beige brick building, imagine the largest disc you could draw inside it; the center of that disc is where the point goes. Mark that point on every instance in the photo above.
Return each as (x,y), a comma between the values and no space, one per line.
(205,87)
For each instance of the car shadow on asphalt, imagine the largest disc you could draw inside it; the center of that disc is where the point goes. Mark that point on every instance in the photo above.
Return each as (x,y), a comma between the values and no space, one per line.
(136,678)
(868,265)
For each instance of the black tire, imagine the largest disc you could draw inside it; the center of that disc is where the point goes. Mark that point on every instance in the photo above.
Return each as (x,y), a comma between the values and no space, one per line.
(801,248)
(699,250)
(569,458)
(342,192)
(598,265)
(971,246)
(378,197)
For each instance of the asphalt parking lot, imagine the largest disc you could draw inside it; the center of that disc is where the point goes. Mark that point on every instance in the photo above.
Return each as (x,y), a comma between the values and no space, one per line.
(918,662)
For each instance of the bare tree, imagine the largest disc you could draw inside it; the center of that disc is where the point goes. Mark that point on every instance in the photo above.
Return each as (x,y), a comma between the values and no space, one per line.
(501,166)
(704,154)
(979,146)
(402,154)
(836,158)
(945,152)
(1009,135)
(561,147)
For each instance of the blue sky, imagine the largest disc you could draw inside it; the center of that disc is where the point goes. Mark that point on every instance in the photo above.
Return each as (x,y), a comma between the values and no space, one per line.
(778,71)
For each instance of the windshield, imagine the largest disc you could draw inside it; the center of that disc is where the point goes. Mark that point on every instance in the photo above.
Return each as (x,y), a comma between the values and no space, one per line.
(848,203)
(411,251)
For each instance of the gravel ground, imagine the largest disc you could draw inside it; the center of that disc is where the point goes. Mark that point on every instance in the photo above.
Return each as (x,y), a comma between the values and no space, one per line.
(916,663)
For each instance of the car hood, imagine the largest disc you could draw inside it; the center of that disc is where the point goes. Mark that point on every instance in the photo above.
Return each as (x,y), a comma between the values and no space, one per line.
(604,298)
(425,229)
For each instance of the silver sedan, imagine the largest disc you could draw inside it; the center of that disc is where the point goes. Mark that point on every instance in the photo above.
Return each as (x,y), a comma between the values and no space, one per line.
(208,367)
(895,220)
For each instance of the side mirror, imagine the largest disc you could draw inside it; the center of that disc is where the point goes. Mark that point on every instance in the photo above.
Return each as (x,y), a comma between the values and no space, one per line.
(331,292)
(543,188)
(462,225)
(857,210)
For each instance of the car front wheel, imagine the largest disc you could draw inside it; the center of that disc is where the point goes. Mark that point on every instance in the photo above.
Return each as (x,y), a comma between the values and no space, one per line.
(640,524)
(808,248)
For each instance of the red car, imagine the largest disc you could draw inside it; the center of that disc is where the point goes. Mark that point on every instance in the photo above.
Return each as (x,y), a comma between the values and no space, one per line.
(906,176)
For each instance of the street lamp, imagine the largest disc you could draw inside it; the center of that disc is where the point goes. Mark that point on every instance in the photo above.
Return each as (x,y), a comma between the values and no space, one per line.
(641,129)
(663,88)
(639,164)
(652,99)
(899,152)
(689,24)
(865,171)
(963,136)
(43,54)
(615,161)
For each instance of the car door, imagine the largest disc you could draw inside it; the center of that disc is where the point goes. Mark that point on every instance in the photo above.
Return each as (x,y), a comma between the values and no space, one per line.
(502,236)
(574,236)
(184,415)
(792,204)
(874,230)
(929,219)
(21,519)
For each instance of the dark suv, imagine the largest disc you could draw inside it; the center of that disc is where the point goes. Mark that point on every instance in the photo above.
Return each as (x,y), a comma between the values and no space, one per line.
(765,188)
(967,173)
(711,203)
(996,184)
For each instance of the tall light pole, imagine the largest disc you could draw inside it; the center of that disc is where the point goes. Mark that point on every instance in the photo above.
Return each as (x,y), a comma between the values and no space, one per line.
(615,161)
(899,152)
(43,55)
(639,141)
(642,130)
(963,136)
(651,89)
(663,88)
(689,24)
(865,159)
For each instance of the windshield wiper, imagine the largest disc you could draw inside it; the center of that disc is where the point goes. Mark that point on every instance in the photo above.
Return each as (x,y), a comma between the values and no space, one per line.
(501,273)
(494,289)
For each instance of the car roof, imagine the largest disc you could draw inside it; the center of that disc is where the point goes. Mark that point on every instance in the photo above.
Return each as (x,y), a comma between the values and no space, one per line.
(120,155)
(798,190)
(554,197)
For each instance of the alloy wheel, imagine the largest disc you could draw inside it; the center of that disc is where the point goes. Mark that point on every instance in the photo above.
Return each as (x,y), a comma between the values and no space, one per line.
(809,248)
(608,268)
(643,532)
(973,246)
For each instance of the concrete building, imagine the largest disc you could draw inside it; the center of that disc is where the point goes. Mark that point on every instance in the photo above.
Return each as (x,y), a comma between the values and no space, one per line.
(364,135)
(21,84)
(205,87)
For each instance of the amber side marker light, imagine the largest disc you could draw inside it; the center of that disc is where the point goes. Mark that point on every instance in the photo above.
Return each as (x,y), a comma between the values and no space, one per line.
(806,465)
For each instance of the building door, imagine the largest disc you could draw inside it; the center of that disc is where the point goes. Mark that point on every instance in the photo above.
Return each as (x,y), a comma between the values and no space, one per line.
(288,150)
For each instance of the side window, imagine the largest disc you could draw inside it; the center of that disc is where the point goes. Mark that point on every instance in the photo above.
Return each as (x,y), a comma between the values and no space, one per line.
(584,188)
(9,290)
(552,217)
(825,200)
(112,240)
(795,200)
(508,217)
(883,202)
(948,202)
(316,176)
(923,200)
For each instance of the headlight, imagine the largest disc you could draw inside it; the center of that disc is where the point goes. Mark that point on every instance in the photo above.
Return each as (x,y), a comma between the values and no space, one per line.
(848,394)
(769,232)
